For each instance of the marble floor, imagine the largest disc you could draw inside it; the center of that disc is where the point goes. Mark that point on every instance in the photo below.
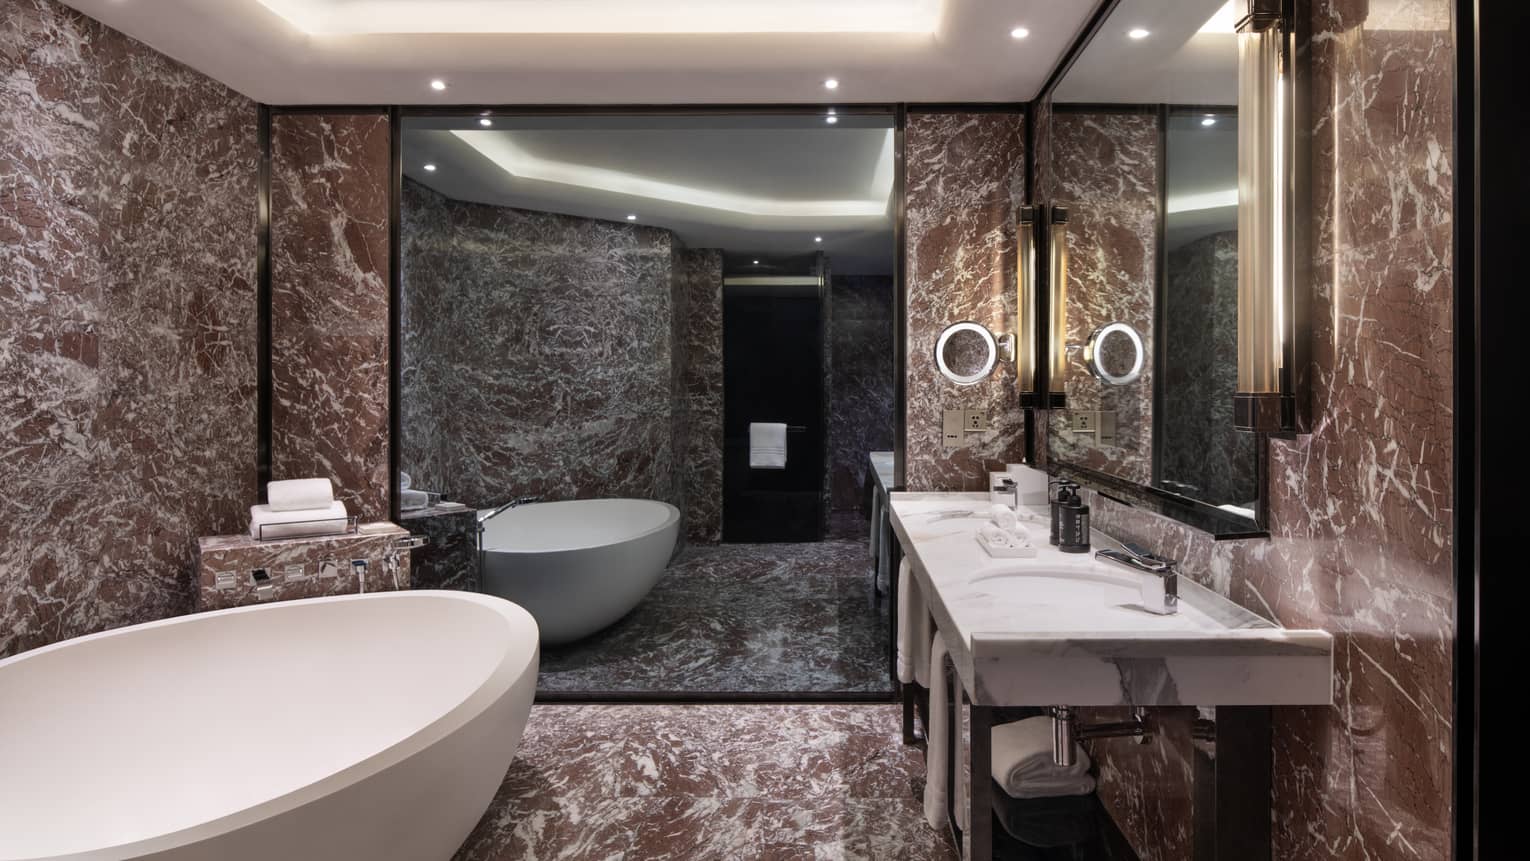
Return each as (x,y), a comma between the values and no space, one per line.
(699,782)
(743,619)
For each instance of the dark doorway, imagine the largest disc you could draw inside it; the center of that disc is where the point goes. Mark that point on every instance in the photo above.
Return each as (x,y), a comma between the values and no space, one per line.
(773,372)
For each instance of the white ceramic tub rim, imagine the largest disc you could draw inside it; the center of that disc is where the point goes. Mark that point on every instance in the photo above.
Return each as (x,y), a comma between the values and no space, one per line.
(673,517)
(503,677)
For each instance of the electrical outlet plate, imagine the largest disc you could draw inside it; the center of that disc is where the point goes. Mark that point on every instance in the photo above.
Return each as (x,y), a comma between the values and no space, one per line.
(952,428)
(294,572)
(975,421)
(1083,421)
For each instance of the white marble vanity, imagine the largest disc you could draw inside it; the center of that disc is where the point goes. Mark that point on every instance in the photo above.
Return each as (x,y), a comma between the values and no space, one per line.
(1069,630)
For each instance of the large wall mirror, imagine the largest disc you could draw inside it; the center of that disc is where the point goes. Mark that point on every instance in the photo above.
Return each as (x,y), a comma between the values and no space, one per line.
(1139,142)
(630,314)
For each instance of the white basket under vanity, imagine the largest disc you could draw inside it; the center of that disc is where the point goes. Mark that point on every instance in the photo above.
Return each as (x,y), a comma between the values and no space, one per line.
(235,570)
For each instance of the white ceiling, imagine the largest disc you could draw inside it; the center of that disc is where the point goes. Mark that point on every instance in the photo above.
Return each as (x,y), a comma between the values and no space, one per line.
(1182,60)
(608,51)
(1201,172)
(755,186)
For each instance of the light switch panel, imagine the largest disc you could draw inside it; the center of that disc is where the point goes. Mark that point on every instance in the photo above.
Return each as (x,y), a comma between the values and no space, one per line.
(952,428)
(1107,427)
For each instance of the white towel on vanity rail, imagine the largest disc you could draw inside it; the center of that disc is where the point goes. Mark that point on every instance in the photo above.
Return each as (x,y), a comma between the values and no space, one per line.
(1023,763)
(915,630)
(266,524)
(767,445)
(300,494)
(936,766)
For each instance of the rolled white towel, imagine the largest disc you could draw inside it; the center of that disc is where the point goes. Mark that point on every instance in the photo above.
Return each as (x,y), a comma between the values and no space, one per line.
(914,630)
(1002,516)
(998,536)
(1023,764)
(300,494)
(267,524)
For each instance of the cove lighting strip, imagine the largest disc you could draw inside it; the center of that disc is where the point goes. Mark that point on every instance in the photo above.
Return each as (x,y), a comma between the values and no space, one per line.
(362,17)
(500,148)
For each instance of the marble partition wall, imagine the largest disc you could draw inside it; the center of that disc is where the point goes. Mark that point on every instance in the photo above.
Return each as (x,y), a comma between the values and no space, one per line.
(862,414)
(1106,174)
(537,355)
(1198,447)
(698,426)
(329,304)
(964,183)
(1360,510)
(127,324)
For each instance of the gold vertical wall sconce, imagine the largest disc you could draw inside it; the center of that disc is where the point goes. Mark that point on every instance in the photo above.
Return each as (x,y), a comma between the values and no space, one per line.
(1028,348)
(1057,308)
(1269,357)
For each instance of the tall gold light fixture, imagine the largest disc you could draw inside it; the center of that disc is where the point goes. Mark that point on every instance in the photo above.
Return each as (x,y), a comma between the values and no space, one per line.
(1028,349)
(1268,355)
(1057,308)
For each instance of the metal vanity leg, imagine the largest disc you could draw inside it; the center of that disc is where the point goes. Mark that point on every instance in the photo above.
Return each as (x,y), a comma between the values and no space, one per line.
(980,787)
(908,714)
(894,557)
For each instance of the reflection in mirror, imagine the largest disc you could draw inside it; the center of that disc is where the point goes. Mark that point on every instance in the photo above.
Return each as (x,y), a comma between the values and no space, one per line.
(1139,142)
(671,328)
(1115,354)
(966,353)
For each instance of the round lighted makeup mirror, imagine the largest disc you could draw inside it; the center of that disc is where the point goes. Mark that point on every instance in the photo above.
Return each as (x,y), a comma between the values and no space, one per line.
(1115,354)
(966,353)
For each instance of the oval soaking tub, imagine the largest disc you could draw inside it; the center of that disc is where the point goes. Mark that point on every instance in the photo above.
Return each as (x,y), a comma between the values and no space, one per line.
(355,728)
(578,565)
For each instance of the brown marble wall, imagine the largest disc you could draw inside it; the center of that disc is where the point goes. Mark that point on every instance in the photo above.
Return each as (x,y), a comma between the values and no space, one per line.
(1360,510)
(699,409)
(964,181)
(1106,173)
(127,324)
(329,304)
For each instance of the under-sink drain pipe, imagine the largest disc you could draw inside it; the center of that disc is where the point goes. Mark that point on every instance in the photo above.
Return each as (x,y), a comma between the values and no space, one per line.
(1065,733)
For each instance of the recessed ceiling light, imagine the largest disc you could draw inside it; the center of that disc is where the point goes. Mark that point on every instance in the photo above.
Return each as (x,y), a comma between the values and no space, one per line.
(431,168)
(1019,33)
(757,263)
(438,85)
(831,120)
(632,218)
(1138,33)
(486,122)
(1208,120)
(818,239)
(831,84)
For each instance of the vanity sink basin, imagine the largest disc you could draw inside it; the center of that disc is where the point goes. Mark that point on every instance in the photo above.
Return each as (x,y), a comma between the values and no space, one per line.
(1066,629)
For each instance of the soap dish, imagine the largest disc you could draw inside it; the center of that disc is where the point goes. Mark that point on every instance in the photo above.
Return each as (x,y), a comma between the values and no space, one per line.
(1026,552)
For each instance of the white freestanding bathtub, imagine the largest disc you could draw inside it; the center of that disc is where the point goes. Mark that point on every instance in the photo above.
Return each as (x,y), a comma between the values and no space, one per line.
(356,728)
(579,565)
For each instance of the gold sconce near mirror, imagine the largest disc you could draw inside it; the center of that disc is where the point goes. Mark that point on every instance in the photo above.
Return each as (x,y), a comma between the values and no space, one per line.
(1271,315)
(1041,298)
(1057,308)
(1026,349)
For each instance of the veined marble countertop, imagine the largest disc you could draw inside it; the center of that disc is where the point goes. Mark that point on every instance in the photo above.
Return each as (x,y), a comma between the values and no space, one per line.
(1079,636)
(882,468)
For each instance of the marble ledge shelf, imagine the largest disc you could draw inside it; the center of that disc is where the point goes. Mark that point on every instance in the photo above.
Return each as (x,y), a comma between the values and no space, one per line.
(294,565)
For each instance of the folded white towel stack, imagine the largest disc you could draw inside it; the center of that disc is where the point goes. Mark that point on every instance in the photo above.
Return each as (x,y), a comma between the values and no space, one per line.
(412,500)
(767,445)
(299,494)
(329,520)
(1024,767)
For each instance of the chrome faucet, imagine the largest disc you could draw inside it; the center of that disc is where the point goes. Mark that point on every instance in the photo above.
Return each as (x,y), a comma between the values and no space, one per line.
(1160,590)
(514,503)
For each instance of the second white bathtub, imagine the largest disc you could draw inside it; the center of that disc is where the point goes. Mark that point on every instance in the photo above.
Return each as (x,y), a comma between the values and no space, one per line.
(579,565)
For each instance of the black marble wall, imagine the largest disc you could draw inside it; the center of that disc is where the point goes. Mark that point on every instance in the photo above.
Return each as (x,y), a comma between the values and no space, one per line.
(862,414)
(698,367)
(537,354)
(1200,453)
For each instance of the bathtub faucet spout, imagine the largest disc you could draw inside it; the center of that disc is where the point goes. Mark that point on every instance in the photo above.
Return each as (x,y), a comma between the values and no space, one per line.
(490,514)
